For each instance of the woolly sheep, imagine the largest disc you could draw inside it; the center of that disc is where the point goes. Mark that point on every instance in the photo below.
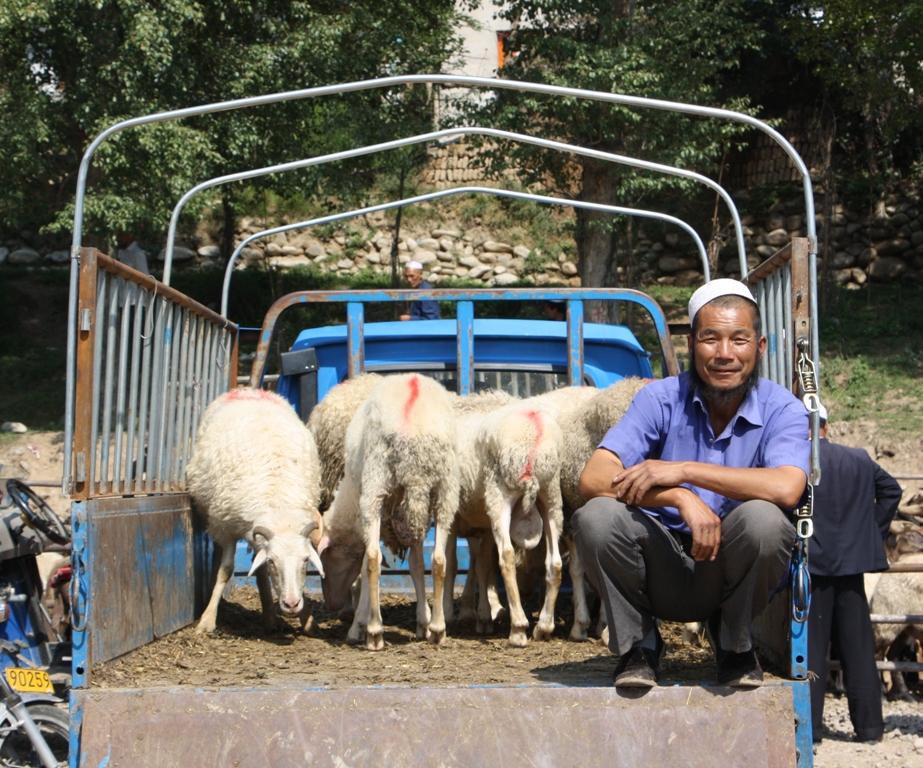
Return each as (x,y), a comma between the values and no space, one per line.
(330,419)
(401,473)
(585,415)
(254,475)
(510,485)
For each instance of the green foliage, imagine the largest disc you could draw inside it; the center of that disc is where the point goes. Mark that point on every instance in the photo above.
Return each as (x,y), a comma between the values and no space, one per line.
(72,68)
(866,54)
(675,51)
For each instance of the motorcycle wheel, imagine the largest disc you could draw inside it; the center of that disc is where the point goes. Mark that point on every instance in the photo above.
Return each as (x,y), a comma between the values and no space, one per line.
(16,751)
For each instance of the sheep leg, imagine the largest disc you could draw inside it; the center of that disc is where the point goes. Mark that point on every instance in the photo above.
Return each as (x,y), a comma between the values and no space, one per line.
(451,573)
(436,631)
(222,576)
(581,613)
(552,530)
(519,623)
(272,622)
(356,632)
(374,640)
(418,575)
(486,575)
(467,613)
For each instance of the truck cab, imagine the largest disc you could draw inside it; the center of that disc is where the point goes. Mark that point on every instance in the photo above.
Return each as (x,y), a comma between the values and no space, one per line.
(520,357)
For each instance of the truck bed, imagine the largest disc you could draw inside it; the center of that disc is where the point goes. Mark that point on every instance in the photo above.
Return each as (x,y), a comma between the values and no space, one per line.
(242,654)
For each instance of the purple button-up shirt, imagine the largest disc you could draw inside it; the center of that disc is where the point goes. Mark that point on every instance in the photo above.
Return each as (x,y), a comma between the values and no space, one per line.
(668,420)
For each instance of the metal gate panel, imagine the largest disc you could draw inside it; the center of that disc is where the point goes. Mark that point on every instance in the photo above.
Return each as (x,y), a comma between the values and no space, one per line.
(698,727)
(146,568)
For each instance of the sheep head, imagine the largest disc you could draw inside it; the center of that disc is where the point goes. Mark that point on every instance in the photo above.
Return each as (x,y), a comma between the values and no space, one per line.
(286,554)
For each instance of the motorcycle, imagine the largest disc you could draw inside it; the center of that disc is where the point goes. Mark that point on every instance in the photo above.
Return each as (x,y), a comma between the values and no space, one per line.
(34,655)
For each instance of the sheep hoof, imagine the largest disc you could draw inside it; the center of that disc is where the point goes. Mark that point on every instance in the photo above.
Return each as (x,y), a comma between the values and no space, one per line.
(421,631)
(307,625)
(467,618)
(518,638)
(355,636)
(273,623)
(375,641)
(205,627)
(578,634)
(484,627)
(542,632)
(435,637)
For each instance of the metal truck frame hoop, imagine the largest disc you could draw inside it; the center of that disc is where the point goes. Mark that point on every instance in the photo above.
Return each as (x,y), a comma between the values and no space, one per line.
(442,134)
(386,82)
(616,210)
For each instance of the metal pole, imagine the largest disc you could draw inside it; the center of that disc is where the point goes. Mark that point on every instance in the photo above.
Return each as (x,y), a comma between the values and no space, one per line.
(614,209)
(436,136)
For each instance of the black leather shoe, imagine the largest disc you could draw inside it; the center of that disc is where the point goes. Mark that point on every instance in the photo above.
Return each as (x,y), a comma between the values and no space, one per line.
(739,670)
(636,669)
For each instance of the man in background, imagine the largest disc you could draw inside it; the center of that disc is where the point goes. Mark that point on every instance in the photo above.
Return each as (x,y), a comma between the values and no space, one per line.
(853,508)
(419,310)
(556,309)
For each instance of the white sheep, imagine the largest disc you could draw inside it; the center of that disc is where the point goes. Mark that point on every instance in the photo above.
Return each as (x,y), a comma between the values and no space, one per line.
(585,415)
(401,475)
(510,486)
(255,475)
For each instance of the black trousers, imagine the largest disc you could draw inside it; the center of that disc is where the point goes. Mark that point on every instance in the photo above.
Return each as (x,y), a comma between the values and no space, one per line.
(840,616)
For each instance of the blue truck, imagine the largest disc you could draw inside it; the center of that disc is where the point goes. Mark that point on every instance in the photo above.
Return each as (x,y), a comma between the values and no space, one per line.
(138,382)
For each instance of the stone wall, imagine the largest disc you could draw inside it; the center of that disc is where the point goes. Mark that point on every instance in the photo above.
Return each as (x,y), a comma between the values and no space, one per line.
(889,248)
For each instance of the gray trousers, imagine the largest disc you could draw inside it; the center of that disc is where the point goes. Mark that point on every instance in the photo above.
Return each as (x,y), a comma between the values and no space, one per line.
(641,570)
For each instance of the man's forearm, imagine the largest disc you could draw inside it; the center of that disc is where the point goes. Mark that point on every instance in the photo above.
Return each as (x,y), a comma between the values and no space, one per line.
(782,486)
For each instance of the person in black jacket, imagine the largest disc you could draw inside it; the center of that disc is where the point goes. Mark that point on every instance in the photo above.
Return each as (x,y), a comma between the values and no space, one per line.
(853,508)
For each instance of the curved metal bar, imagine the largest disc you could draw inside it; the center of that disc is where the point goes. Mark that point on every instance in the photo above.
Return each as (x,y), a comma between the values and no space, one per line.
(435,136)
(385,82)
(447,193)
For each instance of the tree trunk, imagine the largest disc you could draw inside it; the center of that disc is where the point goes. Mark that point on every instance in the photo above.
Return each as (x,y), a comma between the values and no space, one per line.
(230,223)
(395,277)
(878,207)
(596,242)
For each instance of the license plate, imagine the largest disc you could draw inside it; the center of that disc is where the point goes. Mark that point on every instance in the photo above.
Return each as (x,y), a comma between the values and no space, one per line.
(29,680)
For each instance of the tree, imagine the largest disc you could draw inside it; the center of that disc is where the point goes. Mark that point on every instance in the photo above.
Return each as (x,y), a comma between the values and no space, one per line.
(667,50)
(867,54)
(71,68)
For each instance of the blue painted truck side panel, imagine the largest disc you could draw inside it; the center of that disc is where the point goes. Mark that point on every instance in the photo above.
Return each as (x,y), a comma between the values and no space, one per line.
(611,352)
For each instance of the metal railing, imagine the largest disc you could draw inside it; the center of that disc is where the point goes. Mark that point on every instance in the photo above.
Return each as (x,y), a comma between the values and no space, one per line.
(388,82)
(151,360)
(613,209)
(453,132)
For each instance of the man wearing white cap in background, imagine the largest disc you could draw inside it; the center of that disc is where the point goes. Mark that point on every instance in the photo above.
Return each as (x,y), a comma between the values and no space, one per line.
(687,494)
(419,310)
(853,508)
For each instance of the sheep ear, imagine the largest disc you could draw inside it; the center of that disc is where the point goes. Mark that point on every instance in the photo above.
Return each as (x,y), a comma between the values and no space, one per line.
(258,559)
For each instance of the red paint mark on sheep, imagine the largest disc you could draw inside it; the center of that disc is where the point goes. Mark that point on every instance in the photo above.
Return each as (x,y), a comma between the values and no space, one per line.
(414,384)
(245,393)
(536,419)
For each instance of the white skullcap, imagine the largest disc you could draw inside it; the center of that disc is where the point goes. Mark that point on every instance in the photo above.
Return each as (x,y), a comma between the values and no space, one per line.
(413,265)
(722,286)
(822,412)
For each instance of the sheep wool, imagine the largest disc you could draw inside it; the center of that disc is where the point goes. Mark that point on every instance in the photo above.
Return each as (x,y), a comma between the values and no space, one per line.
(255,476)
(401,474)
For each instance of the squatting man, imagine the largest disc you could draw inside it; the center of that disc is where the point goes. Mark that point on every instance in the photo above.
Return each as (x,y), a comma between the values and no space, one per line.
(689,492)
